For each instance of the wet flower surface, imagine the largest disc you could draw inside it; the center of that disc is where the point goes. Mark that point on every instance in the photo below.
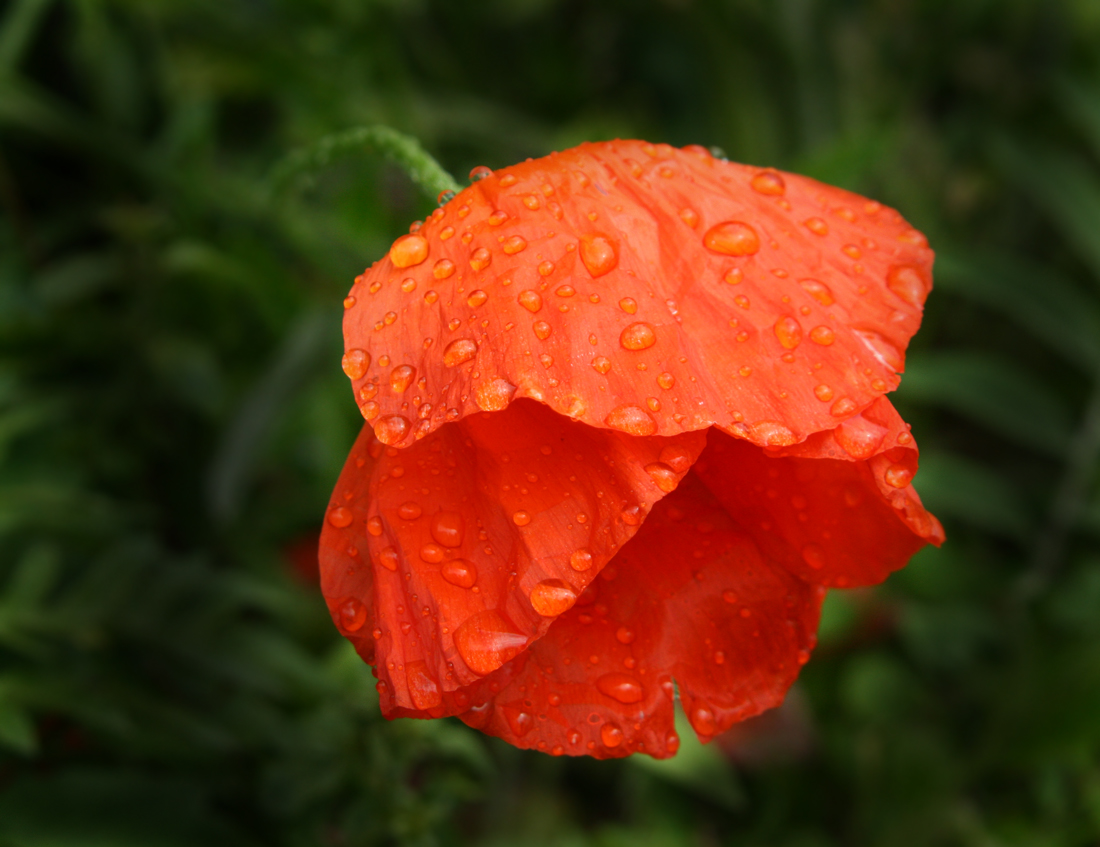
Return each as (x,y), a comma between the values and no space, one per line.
(625,424)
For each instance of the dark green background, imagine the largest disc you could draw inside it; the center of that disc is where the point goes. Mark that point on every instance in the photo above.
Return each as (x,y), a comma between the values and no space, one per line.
(173,415)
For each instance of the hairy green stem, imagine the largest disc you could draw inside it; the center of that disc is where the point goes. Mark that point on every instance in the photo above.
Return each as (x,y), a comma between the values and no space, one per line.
(403,150)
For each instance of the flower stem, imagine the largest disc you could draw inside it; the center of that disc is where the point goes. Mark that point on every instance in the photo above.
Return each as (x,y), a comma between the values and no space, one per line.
(403,150)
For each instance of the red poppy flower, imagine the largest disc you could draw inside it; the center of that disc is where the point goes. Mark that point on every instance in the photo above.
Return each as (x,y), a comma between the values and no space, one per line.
(626,423)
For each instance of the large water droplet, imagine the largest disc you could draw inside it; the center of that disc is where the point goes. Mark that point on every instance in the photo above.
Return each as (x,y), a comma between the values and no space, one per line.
(789,332)
(353,614)
(552,597)
(633,420)
(521,518)
(391,429)
(459,572)
(409,250)
(458,351)
(599,254)
(448,528)
(494,396)
(355,363)
(620,686)
(487,640)
(422,687)
(732,238)
(401,378)
(638,336)
(374,526)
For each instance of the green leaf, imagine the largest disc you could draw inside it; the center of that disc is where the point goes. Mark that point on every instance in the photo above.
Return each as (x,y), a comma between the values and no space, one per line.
(954,486)
(993,393)
(16,727)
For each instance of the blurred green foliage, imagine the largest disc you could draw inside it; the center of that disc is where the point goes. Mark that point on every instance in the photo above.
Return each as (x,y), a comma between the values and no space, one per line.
(172,413)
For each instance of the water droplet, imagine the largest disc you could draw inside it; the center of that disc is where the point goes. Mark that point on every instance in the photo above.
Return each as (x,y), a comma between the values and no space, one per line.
(542,329)
(443,269)
(690,217)
(638,336)
(422,688)
(822,335)
(823,393)
(508,180)
(843,407)
(624,635)
(374,526)
(719,657)
(814,556)
(519,721)
(409,250)
(480,259)
(497,217)
(355,363)
(458,351)
(430,297)
(816,225)
(531,201)
(772,434)
(349,302)
(459,572)
(908,283)
(729,596)
(742,301)
(410,510)
(448,528)
(340,517)
(446,232)
(898,476)
(602,364)
(530,300)
(789,332)
(666,380)
(552,597)
(353,614)
(732,238)
(514,244)
(632,515)
(487,640)
(391,429)
(611,735)
(672,743)
(477,298)
(565,291)
(401,378)
(881,349)
(851,251)
(818,290)
(769,182)
(581,559)
(859,437)
(621,687)
(633,420)
(521,518)
(388,558)
(702,719)
(546,268)
(432,553)
(599,254)
(479,173)
(494,396)
(663,476)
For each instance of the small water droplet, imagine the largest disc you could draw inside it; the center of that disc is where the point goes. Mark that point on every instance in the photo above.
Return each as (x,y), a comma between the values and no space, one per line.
(732,238)
(602,364)
(410,510)
(633,420)
(374,526)
(353,614)
(477,298)
(663,476)
(443,269)
(448,528)
(816,225)
(340,517)
(666,380)
(388,558)
(546,268)
(823,393)
(822,335)
(459,572)
(729,596)
(514,244)
(769,182)
(402,377)
(599,254)
(624,635)
(432,553)
(409,250)
(690,217)
(521,518)
(898,476)
(530,300)
(789,332)
(621,687)
(859,437)
(581,559)
(818,290)
(458,351)
(391,429)
(638,336)
(552,597)
(355,363)
(702,719)
(542,329)
(611,735)
(843,407)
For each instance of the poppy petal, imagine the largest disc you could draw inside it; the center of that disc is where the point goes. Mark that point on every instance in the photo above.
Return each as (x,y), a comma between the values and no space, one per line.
(838,510)
(484,532)
(641,288)
(347,579)
(690,600)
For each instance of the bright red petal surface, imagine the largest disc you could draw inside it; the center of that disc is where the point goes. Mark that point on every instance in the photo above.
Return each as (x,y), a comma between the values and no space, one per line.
(837,510)
(691,599)
(482,534)
(641,288)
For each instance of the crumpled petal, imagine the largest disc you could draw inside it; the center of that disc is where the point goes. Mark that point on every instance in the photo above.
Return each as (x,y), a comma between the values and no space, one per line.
(641,288)
(837,510)
(690,599)
(484,532)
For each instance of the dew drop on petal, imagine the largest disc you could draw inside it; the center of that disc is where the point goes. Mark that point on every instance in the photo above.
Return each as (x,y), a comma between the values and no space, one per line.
(458,351)
(521,518)
(663,476)
(818,290)
(340,517)
(355,363)
(409,250)
(487,640)
(602,364)
(581,559)
(611,735)
(401,378)
(859,437)
(530,300)
(391,429)
(633,420)
(388,558)
(898,476)
(353,614)
(552,597)
(448,528)
(494,396)
(422,688)
(621,687)
(628,305)
(443,269)
(432,553)
(814,556)
(638,336)
(907,282)
(666,380)
(822,335)
(690,217)
(599,254)
(374,526)
(702,719)
(823,393)
(624,635)
(480,259)
(769,182)
(410,510)
(843,407)
(732,238)
(542,329)
(789,332)
(816,225)
(477,298)
(459,572)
